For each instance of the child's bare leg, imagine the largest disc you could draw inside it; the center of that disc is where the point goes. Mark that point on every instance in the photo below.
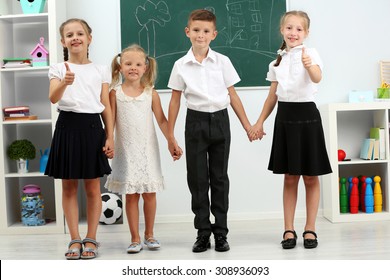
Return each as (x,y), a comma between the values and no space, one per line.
(132,213)
(312,186)
(150,206)
(290,196)
(71,210)
(94,209)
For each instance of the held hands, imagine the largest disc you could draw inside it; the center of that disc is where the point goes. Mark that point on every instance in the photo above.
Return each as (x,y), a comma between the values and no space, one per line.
(108,148)
(174,149)
(256,132)
(306,60)
(69,75)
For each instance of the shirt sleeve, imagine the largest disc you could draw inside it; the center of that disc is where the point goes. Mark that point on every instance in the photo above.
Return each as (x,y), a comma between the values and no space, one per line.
(271,76)
(55,71)
(230,74)
(176,82)
(106,74)
(315,57)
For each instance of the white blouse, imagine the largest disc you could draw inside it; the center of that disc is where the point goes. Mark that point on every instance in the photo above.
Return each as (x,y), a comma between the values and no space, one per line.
(294,83)
(83,96)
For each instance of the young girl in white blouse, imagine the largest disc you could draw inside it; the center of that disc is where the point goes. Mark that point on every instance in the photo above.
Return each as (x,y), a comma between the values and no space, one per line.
(136,168)
(80,145)
(298,147)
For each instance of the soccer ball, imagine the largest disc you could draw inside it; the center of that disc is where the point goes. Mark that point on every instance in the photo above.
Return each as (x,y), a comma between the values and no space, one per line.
(111,209)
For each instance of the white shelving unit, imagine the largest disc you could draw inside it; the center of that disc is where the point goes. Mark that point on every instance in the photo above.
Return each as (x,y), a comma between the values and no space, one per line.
(345,127)
(19,34)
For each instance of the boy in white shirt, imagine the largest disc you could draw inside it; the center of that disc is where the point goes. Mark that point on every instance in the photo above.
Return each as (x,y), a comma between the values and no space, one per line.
(207,80)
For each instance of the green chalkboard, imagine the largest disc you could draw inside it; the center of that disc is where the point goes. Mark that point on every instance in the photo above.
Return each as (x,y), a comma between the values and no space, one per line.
(248,33)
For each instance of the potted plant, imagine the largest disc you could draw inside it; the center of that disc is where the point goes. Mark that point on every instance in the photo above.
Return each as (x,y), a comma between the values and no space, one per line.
(21,151)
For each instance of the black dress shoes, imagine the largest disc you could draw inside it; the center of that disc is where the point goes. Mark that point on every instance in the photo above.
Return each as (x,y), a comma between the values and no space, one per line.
(221,244)
(289,243)
(202,244)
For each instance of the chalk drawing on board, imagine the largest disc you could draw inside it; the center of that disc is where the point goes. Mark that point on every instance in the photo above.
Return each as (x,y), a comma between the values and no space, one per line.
(237,33)
(248,33)
(148,15)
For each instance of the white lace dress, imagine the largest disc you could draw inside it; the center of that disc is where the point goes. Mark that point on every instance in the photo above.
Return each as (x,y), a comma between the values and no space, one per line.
(136,167)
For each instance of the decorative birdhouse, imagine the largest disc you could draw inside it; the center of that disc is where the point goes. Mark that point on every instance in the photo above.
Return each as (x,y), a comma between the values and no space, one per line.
(32,6)
(40,56)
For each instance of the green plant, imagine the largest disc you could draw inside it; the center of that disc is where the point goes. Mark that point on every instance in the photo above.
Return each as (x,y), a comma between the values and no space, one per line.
(21,149)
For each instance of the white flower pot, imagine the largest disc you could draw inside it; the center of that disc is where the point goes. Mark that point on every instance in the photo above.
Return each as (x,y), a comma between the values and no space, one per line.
(22,165)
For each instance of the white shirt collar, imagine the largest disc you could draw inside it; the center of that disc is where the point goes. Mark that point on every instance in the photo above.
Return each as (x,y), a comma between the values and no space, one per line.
(293,50)
(189,57)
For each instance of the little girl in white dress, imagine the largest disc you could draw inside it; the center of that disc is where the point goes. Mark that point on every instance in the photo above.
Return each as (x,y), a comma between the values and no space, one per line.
(136,167)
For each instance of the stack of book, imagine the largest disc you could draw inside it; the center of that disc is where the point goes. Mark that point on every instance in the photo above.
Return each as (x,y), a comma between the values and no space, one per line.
(374,148)
(16,113)
(17,62)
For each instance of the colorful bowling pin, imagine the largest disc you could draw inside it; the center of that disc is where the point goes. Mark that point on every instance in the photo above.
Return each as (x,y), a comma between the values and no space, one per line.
(362,193)
(343,196)
(377,195)
(354,197)
(369,198)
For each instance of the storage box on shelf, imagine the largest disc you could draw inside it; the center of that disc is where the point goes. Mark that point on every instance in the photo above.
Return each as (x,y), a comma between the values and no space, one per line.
(345,127)
(28,86)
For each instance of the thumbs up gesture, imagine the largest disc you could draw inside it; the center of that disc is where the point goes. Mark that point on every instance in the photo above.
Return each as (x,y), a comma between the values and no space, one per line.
(306,60)
(69,75)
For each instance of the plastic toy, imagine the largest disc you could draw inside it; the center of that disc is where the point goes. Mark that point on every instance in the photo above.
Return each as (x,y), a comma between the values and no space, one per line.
(343,196)
(43,160)
(32,206)
(341,155)
(369,197)
(362,193)
(377,195)
(354,197)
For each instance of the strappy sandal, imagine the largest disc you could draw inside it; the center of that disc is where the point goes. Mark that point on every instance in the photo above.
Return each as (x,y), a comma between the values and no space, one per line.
(289,243)
(87,250)
(309,243)
(74,253)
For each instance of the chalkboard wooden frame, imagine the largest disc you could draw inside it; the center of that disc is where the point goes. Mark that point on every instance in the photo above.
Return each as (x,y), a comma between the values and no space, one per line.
(248,33)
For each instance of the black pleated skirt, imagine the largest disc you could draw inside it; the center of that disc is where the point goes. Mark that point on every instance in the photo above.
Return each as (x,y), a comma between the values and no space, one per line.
(77,147)
(298,146)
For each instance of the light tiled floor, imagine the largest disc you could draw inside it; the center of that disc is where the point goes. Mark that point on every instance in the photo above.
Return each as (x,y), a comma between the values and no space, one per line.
(249,240)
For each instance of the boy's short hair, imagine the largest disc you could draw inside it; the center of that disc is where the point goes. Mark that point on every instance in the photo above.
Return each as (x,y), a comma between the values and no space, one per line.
(204,15)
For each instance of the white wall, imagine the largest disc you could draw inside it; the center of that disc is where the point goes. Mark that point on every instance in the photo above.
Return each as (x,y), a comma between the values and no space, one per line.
(351,37)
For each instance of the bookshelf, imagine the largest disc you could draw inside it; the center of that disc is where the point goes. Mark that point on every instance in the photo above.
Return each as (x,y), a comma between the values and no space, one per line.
(28,86)
(345,127)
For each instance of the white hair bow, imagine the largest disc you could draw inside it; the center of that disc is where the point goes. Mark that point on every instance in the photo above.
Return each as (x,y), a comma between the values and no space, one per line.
(281,52)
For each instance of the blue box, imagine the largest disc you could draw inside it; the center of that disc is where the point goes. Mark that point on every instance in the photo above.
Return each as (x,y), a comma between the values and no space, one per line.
(32,6)
(357,96)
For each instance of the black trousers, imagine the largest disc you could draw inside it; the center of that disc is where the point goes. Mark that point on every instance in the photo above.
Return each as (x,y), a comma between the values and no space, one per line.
(207,140)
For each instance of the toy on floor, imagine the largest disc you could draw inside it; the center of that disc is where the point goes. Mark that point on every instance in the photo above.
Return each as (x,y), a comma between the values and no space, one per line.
(111,209)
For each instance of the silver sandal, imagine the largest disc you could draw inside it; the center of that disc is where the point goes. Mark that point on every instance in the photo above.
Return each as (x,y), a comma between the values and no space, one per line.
(94,251)
(74,253)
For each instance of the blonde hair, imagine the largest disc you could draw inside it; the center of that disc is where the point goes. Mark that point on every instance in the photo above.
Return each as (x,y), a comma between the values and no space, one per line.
(306,26)
(86,27)
(149,76)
